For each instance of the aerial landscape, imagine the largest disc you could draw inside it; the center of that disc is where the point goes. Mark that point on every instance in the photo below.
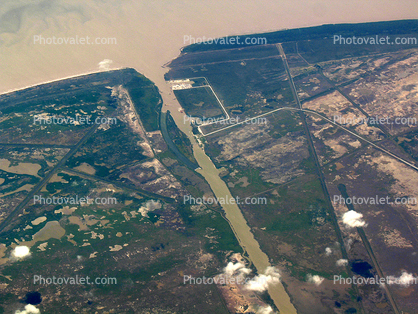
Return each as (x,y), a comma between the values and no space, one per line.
(263,167)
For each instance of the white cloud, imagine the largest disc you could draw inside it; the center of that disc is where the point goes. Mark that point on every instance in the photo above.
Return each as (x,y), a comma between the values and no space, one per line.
(149,206)
(405,279)
(353,219)
(234,273)
(342,262)
(261,282)
(21,251)
(265,310)
(328,251)
(105,64)
(29,309)
(348,242)
(315,279)
(258,283)
(236,269)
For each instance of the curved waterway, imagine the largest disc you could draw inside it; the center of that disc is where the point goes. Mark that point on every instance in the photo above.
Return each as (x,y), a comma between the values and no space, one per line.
(232,212)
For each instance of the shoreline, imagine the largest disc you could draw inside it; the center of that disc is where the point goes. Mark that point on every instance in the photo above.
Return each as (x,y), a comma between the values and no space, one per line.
(57,80)
(265,32)
(158,78)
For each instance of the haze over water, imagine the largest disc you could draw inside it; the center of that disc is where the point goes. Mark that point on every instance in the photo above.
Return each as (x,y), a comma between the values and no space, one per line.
(150,33)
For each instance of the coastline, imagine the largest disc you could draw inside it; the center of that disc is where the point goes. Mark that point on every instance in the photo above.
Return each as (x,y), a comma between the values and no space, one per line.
(156,73)
(156,32)
(57,80)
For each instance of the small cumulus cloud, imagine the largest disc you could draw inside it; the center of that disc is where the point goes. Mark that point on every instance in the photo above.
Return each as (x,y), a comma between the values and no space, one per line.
(348,243)
(261,282)
(265,310)
(29,309)
(21,252)
(405,279)
(149,206)
(353,219)
(234,273)
(342,262)
(236,269)
(258,283)
(105,64)
(315,279)
(328,251)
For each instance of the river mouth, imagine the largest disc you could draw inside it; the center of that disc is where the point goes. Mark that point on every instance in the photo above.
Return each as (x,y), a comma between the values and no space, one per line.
(155,33)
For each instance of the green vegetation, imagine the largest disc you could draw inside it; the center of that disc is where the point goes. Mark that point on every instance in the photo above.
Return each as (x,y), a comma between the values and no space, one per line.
(146,99)
(108,151)
(403,27)
(180,139)
(255,183)
(243,87)
(132,245)
(284,121)
(199,102)
(409,142)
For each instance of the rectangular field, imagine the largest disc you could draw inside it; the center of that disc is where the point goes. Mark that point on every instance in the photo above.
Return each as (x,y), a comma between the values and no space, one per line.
(199,102)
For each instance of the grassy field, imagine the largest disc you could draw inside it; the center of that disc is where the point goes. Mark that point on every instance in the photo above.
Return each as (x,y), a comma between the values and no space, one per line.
(199,102)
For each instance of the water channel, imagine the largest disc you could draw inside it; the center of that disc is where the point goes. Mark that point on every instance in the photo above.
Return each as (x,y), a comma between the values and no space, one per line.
(232,212)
